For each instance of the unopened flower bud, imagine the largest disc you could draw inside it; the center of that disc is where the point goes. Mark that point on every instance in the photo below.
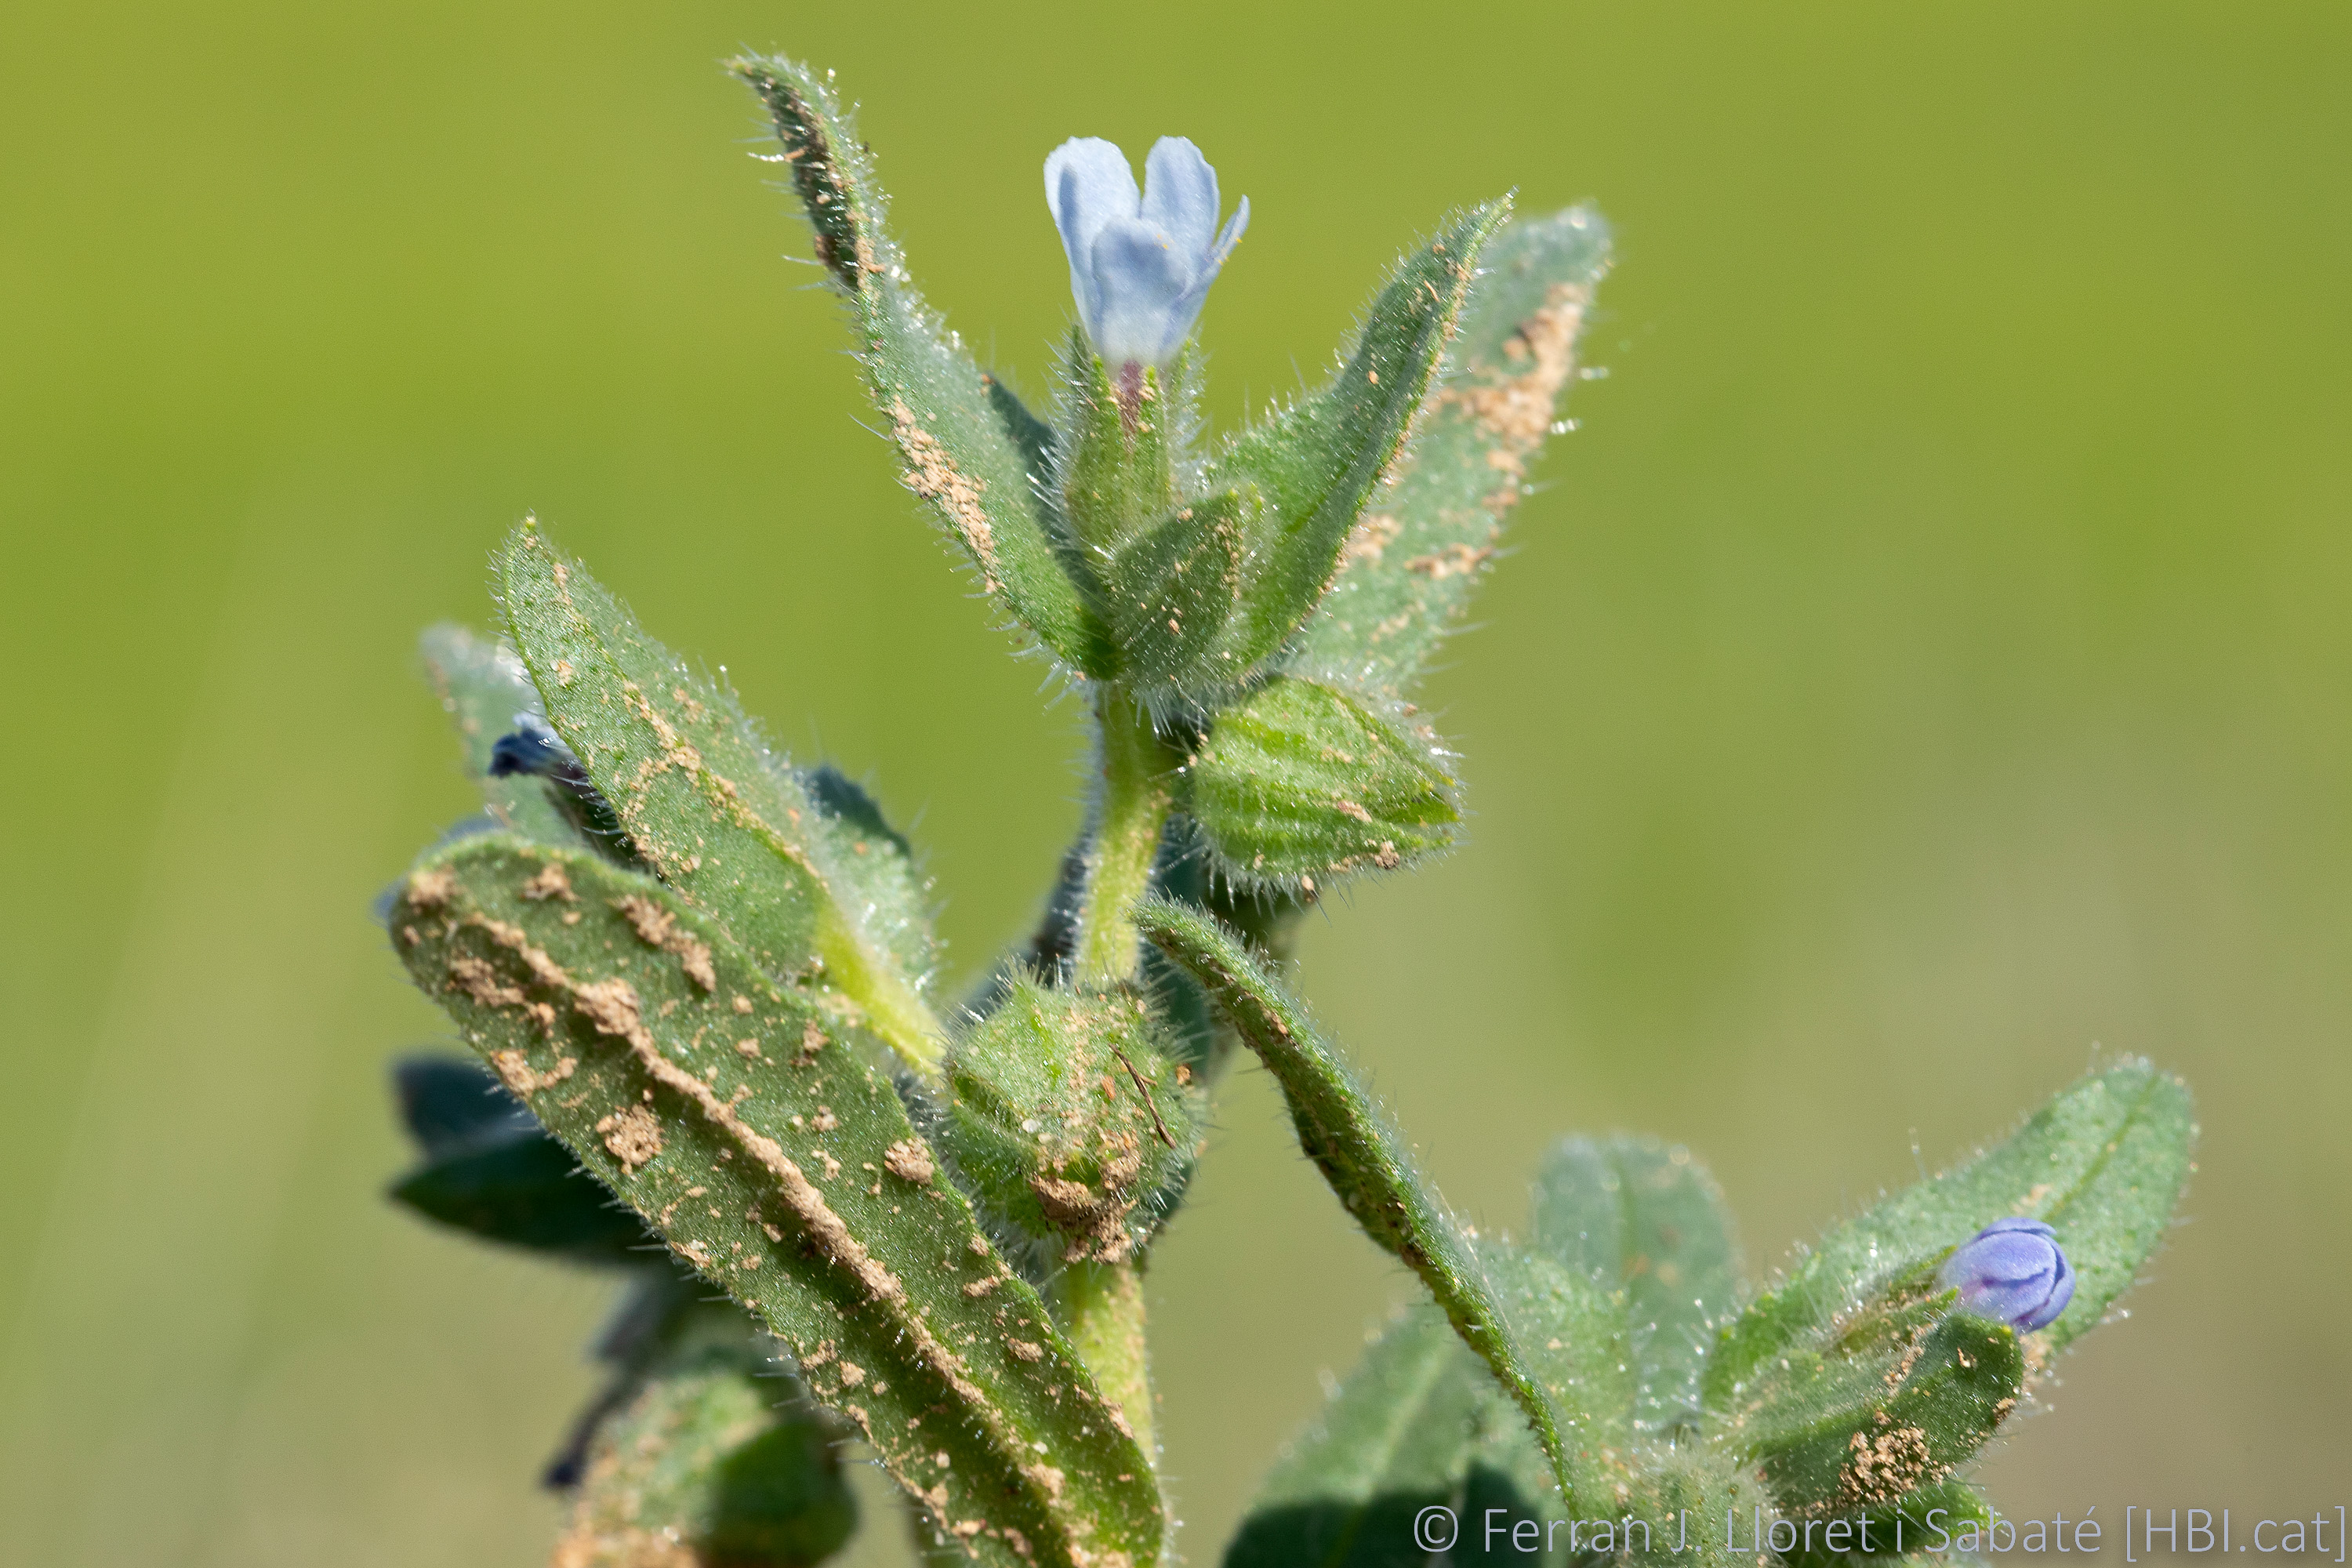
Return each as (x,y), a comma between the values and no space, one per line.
(2013,1272)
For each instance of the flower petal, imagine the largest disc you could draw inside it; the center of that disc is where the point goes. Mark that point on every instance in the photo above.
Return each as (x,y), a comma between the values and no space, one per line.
(1180,195)
(1235,227)
(1187,309)
(1087,184)
(1138,279)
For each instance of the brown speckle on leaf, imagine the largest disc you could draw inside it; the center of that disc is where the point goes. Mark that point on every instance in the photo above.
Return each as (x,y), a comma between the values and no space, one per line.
(633,1136)
(909,1161)
(932,474)
(1514,402)
(658,927)
(1456,560)
(1372,534)
(610,1006)
(552,882)
(432,888)
(514,1069)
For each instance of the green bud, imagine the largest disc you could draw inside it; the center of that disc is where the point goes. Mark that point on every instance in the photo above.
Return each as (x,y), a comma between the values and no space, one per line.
(1068,1120)
(1300,781)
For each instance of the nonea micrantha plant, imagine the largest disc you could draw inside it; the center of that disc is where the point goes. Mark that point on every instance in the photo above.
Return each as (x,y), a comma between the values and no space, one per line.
(856,1216)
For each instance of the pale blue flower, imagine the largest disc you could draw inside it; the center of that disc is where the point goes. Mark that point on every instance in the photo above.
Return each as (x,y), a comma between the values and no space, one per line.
(2013,1272)
(1140,262)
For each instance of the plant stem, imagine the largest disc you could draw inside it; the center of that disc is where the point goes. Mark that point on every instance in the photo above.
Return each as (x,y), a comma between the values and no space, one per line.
(1100,1306)
(1132,813)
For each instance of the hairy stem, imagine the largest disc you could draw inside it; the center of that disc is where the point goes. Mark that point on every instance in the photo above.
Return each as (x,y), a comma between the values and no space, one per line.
(1131,812)
(1100,1307)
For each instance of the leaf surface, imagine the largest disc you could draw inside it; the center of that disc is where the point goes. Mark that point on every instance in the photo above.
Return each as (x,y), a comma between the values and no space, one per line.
(1550,1339)
(733,1113)
(1411,561)
(965,450)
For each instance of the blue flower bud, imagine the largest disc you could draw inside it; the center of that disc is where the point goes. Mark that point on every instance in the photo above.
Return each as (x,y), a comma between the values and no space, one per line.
(534,749)
(1140,263)
(2012,1272)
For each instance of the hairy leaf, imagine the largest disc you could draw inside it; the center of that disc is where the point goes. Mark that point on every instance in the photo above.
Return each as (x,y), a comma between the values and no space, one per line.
(2103,1164)
(1420,1423)
(732,1113)
(698,1467)
(950,431)
(1647,1221)
(1899,1402)
(1411,559)
(448,1102)
(872,867)
(1317,462)
(526,1190)
(1548,1338)
(734,830)
(1299,781)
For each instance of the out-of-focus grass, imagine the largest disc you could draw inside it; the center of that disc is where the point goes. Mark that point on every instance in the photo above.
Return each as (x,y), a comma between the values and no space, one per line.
(1925,669)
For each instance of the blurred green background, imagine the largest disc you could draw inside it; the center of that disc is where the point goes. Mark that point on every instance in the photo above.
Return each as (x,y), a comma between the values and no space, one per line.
(1924,672)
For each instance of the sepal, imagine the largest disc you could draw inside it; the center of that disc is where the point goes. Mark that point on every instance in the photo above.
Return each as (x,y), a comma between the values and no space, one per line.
(1172,589)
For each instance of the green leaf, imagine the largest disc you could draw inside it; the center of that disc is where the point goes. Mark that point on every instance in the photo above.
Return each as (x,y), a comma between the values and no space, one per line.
(449,1102)
(526,1190)
(1411,561)
(1549,1337)
(701,1463)
(1421,1423)
(724,823)
(739,1117)
(482,686)
(1299,781)
(1316,461)
(944,416)
(2103,1164)
(1403,1434)
(1637,1217)
(1905,1394)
